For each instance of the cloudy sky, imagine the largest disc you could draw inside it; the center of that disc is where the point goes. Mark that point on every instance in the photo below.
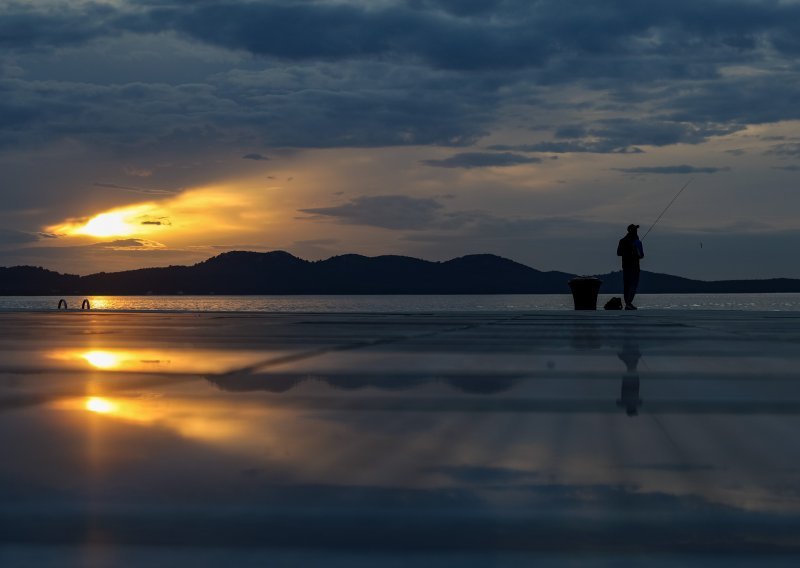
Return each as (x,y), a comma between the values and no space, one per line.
(153,132)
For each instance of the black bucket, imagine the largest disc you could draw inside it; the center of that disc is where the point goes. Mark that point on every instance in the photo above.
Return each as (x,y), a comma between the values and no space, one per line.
(584,292)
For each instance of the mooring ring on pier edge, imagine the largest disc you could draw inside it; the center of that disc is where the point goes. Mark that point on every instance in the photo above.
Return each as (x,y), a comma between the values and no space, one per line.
(60,302)
(85,305)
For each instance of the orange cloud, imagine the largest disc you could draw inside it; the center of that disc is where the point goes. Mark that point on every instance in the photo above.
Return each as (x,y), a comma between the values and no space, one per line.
(219,209)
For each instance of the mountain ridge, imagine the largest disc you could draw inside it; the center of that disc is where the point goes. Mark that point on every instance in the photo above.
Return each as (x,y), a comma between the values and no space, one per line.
(279,272)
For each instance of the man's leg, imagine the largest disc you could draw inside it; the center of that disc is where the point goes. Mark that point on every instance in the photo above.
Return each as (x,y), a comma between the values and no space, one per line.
(630,281)
(633,284)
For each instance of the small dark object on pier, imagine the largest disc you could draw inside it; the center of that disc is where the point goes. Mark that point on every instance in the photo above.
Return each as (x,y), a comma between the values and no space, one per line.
(614,303)
(62,302)
(85,305)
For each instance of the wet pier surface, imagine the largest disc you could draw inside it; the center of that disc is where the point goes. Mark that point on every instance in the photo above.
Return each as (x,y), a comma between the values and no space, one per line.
(451,439)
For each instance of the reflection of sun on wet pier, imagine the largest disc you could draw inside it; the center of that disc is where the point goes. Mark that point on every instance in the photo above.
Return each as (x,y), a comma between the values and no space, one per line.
(506,434)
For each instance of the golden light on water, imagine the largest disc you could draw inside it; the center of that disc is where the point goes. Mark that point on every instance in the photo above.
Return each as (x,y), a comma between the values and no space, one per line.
(206,421)
(161,360)
(102,359)
(100,405)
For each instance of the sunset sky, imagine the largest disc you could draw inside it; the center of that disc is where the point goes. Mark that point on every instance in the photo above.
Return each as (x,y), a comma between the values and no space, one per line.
(153,132)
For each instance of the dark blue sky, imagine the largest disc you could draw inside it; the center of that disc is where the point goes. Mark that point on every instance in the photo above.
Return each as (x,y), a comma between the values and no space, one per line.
(434,128)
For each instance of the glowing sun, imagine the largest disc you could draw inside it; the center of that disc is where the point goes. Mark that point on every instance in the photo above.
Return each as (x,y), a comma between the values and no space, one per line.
(123,222)
(107,225)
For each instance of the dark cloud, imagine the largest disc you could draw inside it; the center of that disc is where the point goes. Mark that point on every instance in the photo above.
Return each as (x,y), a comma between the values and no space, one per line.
(570,131)
(624,136)
(492,228)
(470,160)
(681,169)
(12,237)
(385,211)
(458,35)
(676,467)
(604,147)
(407,113)
(462,8)
(789,149)
(582,39)
(26,26)
(135,189)
(484,475)
(624,132)
(306,31)
(731,101)
(453,34)
(416,72)
(465,231)
(254,156)
(142,244)
(378,108)
(108,115)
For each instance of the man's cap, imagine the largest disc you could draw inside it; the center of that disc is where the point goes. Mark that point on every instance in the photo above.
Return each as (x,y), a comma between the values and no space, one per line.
(632,227)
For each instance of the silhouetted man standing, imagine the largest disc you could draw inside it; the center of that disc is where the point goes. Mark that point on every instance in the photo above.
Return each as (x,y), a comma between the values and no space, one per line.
(631,251)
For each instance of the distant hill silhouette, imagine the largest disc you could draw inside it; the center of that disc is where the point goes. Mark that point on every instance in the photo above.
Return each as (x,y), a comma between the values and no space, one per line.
(279,272)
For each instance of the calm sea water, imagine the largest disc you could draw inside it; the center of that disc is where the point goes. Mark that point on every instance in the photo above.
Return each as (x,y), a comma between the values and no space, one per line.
(397,303)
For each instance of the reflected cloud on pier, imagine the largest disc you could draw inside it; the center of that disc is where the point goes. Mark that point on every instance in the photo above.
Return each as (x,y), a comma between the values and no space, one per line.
(432,428)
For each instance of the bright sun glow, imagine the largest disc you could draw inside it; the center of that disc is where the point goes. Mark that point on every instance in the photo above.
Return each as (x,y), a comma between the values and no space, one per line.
(123,222)
(100,405)
(221,210)
(101,359)
(107,225)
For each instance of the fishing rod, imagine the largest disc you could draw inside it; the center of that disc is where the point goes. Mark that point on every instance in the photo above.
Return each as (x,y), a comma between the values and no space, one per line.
(667,207)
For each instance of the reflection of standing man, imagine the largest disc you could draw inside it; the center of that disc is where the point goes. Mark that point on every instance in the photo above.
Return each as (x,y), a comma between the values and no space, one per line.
(629,393)
(631,251)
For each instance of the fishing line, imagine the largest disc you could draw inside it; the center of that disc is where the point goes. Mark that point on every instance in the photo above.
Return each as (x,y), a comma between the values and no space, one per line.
(667,207)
